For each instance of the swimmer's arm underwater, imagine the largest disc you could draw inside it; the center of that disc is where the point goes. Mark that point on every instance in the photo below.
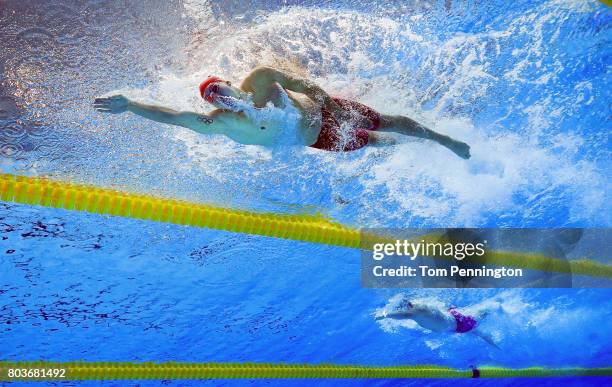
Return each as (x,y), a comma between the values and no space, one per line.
(214,123)
(260,80)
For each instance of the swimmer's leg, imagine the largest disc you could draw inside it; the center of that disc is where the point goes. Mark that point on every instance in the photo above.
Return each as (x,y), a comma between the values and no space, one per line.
(486,336)
(483,310)
(409,127)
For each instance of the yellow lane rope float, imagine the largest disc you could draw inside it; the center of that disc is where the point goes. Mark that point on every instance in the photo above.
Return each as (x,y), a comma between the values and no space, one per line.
(46,371)
(307,228)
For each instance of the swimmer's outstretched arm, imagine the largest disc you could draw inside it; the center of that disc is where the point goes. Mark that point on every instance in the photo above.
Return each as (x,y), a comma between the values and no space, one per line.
(216,123)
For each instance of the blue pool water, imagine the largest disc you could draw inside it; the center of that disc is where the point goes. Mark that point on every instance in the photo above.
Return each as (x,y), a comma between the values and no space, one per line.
(527,85)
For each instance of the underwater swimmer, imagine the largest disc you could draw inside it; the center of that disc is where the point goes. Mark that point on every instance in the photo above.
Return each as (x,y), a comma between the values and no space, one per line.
(438,319)
(325,122)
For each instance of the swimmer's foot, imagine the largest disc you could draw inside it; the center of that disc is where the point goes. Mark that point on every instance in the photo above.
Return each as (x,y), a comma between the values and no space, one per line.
(461,149)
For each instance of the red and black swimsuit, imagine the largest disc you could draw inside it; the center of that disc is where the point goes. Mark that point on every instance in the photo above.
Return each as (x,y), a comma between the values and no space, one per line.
(332,139)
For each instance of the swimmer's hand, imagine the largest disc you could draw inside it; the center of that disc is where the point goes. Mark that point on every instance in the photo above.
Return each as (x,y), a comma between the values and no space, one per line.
(114,105)
(460,148)
(342,115)
(318,94)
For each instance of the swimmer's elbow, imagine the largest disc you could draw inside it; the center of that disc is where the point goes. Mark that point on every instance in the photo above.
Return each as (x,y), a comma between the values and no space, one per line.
(171,118)
(168,116)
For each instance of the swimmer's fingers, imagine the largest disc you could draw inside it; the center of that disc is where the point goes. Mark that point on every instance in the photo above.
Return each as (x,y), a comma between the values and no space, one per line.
(102,103)
(116,96)
(101,106)
(108,100)
(114,105)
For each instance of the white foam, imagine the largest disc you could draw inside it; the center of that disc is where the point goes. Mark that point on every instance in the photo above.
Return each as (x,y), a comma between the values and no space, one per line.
(385,63)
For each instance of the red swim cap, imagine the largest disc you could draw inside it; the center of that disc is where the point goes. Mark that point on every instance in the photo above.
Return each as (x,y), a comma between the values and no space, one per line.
(206,83)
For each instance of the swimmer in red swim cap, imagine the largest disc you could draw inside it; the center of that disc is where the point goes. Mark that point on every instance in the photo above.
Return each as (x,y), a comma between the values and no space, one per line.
(323,122)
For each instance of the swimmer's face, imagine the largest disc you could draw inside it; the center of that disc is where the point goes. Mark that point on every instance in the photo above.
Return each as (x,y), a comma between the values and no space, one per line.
(221,93)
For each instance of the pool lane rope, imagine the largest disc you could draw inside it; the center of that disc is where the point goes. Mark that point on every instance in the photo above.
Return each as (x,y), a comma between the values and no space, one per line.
(46,371)
(307,228)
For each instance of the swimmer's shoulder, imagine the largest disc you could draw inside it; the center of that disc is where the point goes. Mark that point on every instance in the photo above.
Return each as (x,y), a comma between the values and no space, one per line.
(261,76)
